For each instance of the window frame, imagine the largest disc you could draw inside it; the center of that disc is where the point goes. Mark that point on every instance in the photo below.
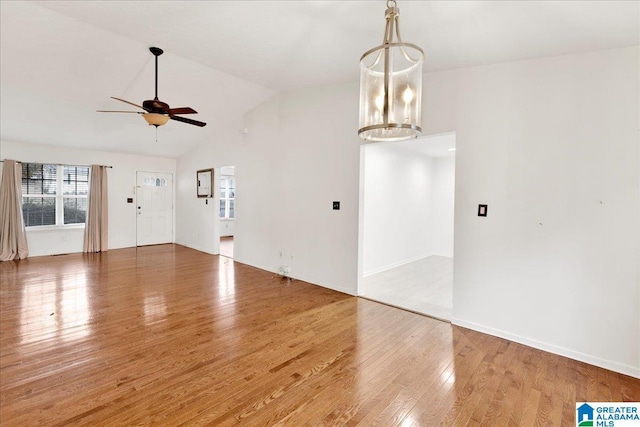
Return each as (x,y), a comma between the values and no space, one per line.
(225,179)
(59,197)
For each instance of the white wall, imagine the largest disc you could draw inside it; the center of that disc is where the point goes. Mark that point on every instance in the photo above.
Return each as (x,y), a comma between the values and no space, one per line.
(443,176)
(121,181)
(226,227)
(540,141)
(397,204)
(300,154)
(551,145)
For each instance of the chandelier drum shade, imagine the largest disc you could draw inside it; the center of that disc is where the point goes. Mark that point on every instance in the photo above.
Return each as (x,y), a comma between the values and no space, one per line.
(391,86)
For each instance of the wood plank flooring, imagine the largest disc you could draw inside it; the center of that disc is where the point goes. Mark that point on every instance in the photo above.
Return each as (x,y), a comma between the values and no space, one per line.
(168,336)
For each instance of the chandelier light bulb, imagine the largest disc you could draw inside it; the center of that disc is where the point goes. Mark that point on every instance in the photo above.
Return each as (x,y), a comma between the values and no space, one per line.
(407,96)
(380,102)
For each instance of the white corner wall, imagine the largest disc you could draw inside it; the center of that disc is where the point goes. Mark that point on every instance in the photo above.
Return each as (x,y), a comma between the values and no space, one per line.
(121,181)
(300,154)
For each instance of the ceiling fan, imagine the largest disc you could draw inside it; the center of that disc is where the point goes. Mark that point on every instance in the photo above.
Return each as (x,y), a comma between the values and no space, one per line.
(156,112)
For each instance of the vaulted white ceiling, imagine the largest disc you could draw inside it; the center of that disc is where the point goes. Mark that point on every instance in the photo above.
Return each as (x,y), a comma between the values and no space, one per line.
(60,61)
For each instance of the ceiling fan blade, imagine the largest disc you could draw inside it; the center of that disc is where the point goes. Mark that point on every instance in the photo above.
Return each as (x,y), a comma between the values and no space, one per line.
(127,102)
(182,110)
(119,111)
(190,121)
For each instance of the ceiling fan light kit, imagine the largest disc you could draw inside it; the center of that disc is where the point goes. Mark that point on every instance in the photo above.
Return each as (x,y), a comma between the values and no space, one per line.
(156,112)
(391,86)
(155,119)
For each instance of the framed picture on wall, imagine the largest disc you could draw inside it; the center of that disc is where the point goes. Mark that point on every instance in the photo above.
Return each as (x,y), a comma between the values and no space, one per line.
(204,180)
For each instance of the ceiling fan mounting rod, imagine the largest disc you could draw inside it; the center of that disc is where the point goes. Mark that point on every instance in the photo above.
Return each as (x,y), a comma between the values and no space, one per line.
(156,52)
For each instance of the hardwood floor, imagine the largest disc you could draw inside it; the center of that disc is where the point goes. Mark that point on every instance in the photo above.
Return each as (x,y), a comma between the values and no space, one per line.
(165,335)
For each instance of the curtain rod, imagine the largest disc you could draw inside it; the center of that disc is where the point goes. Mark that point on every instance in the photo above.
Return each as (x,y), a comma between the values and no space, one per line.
(60,164)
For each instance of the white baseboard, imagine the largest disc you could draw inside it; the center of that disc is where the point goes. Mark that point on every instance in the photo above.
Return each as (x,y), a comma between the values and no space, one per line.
(316,282)
(303,278)
(395,264)
(571,354)
(442,255)
(196,247)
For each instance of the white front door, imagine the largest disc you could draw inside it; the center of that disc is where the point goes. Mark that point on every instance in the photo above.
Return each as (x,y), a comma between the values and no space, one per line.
(154,208)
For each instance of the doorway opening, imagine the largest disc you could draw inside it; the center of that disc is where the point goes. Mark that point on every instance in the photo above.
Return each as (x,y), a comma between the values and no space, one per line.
(407,219)
(226,215)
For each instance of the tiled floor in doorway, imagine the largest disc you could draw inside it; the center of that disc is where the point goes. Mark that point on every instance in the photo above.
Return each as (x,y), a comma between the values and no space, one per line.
(226,246)
(424,286)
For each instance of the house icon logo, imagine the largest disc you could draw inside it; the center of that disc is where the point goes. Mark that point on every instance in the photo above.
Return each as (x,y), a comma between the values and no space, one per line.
(585,415)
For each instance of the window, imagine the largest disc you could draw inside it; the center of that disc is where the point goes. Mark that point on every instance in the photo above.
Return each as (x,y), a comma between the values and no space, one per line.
(54,194)
(155,182)
(227,196)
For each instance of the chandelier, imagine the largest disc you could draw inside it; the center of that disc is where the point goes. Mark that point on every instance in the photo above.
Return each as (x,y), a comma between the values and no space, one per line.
(391,86)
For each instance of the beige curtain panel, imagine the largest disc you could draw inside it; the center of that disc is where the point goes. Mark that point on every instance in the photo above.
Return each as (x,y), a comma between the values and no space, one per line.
(97,224)
(13,238)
